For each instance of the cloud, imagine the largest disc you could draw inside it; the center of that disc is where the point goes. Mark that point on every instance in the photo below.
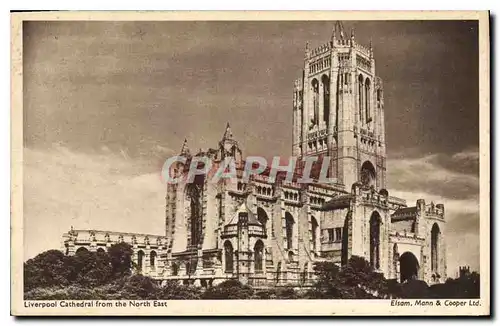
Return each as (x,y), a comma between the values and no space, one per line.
(436,178)
(63,188)
(450,176)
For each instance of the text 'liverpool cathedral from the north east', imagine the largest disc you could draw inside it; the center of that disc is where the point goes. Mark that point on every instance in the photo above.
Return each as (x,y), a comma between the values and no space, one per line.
(270,234)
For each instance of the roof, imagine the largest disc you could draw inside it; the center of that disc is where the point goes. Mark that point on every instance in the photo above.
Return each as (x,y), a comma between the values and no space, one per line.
(340,202)
(404,213)
(252,220)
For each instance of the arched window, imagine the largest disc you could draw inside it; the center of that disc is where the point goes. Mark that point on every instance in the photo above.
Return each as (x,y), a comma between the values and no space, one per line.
(314,232)
(194,193)
(228,256)
(259,256)
(315,88)
(289,224)
(367,100)
(82,250)
(262,218)
(368,175)
(435,239)
(360,97)
(326,98)
(152,259)
(175,269)
(101,251)
(140,259)
(375,240)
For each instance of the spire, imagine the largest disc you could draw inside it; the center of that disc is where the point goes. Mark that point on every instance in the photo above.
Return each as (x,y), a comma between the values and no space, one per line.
(228,134)
(338,28)
(371,48)
(185,148)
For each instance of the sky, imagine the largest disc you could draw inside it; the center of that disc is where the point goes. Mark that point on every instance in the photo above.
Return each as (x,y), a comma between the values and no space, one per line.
(105,103)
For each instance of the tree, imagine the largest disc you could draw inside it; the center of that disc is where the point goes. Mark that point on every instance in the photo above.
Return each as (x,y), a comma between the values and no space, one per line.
(138,287)
(49,268)
(120,255)
(90,268)
(355,280)
(326,285)
(359,273)
(464,287)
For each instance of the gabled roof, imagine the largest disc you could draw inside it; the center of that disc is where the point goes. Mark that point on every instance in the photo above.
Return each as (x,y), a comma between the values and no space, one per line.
(252,220)
(340,202)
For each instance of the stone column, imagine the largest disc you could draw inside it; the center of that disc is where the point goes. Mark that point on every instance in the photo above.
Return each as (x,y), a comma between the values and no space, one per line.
(199,263)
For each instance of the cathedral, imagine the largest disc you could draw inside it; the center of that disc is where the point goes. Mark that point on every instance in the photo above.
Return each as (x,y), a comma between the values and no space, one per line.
(270,232)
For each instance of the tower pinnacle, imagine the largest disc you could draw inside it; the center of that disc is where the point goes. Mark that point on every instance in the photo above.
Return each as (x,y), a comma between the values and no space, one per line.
(185,148)
(338,28)
(228,134)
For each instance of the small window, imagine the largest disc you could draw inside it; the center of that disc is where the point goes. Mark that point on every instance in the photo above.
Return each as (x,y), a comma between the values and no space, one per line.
(331,235)
(338,234)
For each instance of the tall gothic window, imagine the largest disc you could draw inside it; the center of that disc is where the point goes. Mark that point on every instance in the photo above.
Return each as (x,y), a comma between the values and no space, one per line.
(435,232)
(367,100)
(360,98)
(152,259)
(326,98)
(194,191)
(262,218)
(289,222)
(228,256)
(140,259)
(375,240)
(258,253)
(314,232)
(315,87)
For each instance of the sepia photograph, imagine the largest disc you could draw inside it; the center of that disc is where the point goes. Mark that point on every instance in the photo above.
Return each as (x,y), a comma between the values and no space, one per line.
(161,162)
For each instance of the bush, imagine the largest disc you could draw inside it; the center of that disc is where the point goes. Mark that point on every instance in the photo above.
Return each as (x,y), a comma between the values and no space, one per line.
(172,290)
(138,287)
(56,293)
(230,289)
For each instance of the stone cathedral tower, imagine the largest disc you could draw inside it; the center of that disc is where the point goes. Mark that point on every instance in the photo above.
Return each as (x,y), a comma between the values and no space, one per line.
(339,111)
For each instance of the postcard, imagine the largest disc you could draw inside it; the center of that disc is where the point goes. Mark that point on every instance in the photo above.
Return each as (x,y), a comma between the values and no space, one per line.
(250,163)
